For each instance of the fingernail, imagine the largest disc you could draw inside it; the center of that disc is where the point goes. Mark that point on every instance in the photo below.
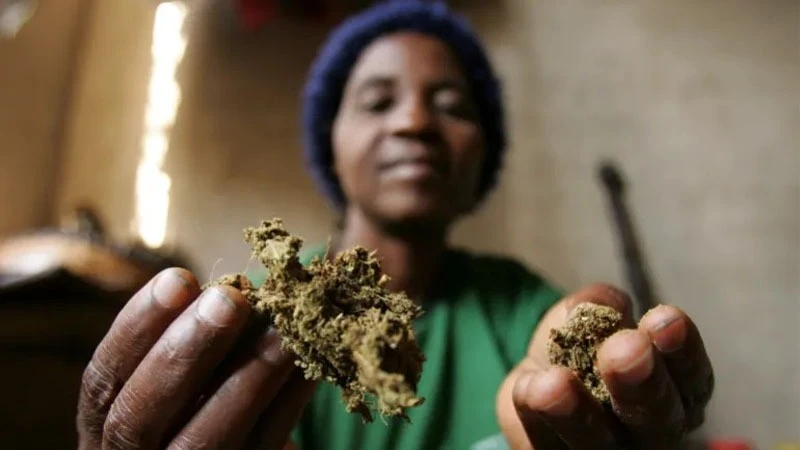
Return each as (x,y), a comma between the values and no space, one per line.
(665,323)
(215,307)
(637,370)
(270,348)
(169,290)
(666,339)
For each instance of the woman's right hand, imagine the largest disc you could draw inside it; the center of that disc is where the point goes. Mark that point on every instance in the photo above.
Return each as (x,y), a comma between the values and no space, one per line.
(163,377)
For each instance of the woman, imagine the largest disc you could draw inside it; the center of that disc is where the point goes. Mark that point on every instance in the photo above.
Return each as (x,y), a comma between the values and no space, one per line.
(404,132)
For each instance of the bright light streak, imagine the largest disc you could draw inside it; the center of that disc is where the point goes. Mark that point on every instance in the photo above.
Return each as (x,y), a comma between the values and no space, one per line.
(163,98)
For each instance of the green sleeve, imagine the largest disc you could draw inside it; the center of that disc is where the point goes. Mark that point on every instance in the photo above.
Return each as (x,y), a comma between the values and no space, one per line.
(296,437)
(534,298)
(514,299)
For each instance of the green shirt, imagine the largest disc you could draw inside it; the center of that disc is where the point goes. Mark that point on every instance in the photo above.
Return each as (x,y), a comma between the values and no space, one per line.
(472,334)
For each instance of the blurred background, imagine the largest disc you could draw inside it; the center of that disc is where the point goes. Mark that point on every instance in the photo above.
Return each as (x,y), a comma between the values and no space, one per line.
(140,134)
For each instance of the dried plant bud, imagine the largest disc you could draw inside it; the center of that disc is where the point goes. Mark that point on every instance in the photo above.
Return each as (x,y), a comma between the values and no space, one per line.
(339,319)
(575,344)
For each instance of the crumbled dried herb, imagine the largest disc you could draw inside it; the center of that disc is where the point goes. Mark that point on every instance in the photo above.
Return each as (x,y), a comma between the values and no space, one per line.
(339,319)
(575,344)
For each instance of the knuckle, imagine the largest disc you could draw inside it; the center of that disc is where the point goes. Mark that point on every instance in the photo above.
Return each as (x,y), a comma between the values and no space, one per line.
(189,441)
(124,426)
(120,430)
(98,389)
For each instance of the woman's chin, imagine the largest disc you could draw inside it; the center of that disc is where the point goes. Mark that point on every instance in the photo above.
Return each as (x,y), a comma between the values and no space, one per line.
(421,210)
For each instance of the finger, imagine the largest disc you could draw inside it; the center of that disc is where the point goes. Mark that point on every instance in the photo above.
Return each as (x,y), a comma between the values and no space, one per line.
(136,328)
(642,393)
(560,399)
(227,417)
(175,369)
(272,430)
(527,402)
(681,347)
(603,294)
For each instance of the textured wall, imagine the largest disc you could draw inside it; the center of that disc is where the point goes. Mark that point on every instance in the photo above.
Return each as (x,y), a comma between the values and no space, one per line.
(34,81)
(107,111)
(697,100)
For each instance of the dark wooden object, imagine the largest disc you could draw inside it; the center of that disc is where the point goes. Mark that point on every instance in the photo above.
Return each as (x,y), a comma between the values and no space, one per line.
(49,327)
(635,267)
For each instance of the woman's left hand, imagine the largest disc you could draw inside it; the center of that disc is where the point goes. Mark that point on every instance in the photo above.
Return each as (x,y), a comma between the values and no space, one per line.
(659,376)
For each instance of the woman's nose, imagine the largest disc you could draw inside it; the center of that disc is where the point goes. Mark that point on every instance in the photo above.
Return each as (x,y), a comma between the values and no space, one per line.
(411,117)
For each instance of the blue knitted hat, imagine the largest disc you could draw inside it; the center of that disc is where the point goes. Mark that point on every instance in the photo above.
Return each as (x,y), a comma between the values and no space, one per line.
(332,67)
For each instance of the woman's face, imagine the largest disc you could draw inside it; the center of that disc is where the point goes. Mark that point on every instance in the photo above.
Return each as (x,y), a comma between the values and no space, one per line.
(407,144)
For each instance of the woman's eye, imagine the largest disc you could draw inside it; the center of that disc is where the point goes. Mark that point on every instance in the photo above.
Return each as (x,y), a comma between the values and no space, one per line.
(453,103)
(378,105)
(375,102)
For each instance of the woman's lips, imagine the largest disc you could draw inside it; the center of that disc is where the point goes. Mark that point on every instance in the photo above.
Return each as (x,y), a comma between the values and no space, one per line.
(411,171)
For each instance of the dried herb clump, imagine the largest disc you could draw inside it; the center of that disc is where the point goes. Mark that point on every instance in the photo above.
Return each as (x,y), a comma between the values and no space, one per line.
(339,319)
(575,344)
